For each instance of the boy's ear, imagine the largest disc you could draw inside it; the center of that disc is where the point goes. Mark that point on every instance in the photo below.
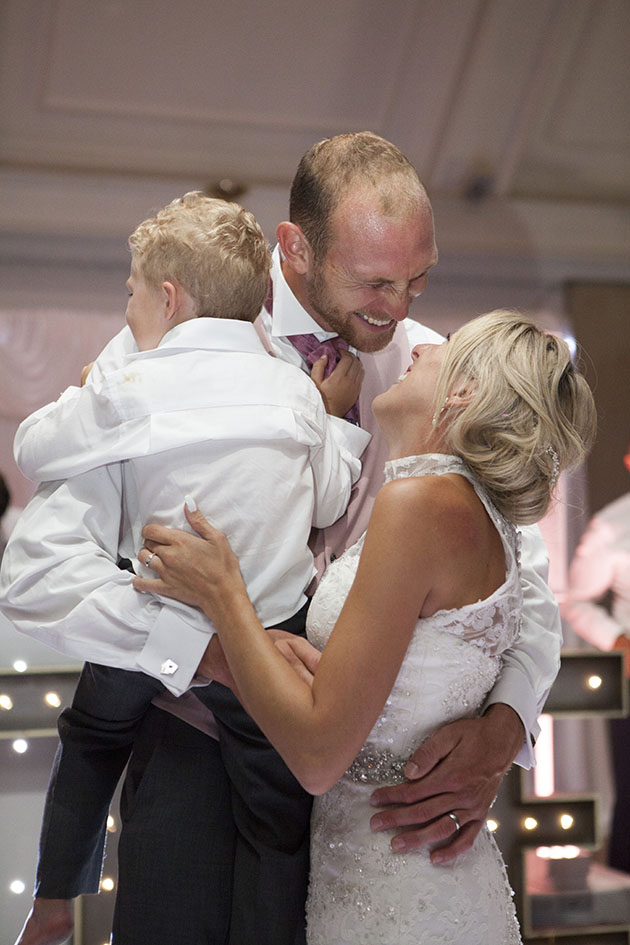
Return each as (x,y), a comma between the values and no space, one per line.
(295,247)
(172,299)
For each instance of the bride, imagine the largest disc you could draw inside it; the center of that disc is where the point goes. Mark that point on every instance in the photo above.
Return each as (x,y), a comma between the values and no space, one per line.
(412,621)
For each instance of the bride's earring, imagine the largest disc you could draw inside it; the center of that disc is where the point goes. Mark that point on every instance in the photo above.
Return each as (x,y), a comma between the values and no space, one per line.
(436,416)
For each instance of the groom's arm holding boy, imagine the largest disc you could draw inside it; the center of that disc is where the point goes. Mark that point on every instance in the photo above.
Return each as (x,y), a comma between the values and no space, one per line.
(60,583)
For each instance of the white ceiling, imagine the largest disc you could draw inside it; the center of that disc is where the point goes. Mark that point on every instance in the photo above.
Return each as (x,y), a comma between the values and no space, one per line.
(521,102)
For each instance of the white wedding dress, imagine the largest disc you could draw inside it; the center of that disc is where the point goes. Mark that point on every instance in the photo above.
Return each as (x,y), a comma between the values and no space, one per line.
(360,891)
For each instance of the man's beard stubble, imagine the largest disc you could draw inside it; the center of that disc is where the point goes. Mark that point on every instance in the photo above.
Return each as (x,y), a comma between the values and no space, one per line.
(344,324)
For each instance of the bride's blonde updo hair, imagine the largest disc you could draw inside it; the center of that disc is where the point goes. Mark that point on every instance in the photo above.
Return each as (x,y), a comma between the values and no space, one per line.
(531,414)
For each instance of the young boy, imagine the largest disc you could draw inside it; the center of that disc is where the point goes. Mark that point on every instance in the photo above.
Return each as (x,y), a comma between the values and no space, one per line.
(198,408)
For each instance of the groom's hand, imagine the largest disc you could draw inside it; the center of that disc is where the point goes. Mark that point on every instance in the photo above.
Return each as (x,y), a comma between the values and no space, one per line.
(458,770)
(298,652)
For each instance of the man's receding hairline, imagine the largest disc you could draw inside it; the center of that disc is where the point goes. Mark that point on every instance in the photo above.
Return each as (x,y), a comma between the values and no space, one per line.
(377,199)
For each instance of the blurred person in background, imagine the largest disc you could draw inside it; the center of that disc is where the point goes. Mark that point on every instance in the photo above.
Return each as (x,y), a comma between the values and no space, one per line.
(601,567)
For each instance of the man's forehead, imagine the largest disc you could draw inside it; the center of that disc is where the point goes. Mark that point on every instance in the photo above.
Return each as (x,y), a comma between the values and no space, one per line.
(362,212)
(373,244)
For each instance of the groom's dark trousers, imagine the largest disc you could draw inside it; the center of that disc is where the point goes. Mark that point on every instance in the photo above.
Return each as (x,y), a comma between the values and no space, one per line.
(214,845)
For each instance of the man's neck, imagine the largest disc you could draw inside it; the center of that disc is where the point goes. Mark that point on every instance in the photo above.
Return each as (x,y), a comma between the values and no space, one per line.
(297,283)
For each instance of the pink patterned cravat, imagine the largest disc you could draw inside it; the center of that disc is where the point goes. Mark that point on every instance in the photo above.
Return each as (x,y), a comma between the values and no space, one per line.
(312,349)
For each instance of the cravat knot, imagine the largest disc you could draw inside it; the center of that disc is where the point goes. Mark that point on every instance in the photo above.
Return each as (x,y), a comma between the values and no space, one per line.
(312,349)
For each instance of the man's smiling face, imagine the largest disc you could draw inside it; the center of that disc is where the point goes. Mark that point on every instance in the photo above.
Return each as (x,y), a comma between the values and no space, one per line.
(376,264)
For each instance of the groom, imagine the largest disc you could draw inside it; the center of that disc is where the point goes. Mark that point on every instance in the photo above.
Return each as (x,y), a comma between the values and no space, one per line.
(357,249)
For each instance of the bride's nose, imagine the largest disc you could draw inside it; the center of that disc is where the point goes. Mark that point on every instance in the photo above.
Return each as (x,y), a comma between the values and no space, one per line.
(418,349)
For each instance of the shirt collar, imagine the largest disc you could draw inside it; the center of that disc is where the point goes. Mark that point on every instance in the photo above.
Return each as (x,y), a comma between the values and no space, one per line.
(218,334)
(289,316)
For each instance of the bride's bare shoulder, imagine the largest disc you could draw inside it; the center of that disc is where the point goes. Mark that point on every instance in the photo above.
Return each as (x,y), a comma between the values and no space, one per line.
(445,506)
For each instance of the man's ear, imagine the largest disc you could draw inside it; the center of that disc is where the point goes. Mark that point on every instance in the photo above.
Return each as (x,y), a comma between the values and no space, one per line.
(295,247)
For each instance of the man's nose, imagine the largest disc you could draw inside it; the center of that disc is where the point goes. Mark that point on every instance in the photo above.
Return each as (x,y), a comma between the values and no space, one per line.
(397,305)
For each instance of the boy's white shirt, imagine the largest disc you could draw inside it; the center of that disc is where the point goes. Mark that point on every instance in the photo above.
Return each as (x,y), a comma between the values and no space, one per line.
(135,410)
(60,581)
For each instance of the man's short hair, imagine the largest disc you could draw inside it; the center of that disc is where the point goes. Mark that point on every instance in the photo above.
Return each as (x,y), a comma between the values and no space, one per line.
(214,249)
(332,167)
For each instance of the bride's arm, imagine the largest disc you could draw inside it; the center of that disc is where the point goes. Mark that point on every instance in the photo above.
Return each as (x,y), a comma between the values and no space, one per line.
(318,730)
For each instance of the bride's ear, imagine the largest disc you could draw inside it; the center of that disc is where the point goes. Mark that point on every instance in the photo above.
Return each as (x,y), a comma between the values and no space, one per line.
(463,395)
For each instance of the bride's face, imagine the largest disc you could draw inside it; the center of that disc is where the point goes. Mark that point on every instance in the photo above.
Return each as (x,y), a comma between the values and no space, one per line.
(413,394)
(415,389)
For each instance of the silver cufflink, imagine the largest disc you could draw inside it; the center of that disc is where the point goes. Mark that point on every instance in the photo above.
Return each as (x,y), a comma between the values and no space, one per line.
(168,667)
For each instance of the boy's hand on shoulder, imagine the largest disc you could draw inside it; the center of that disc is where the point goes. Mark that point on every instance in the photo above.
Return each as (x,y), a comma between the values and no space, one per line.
(85,371)
(341,389)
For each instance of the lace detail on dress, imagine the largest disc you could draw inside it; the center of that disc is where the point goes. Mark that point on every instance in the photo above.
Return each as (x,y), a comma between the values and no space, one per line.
(360,892)
(427,464)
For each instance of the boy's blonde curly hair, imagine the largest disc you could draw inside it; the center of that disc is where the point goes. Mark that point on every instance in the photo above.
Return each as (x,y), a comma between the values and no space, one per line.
(214,249)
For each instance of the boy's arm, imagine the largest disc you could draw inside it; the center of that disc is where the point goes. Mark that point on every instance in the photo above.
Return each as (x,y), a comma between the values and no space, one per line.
(59,583)
(82,430)
(336,465)
(112,356)
(337,444)
(79,431)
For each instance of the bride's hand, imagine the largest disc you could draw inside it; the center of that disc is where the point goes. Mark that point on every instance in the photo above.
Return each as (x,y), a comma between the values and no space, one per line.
(201,571)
